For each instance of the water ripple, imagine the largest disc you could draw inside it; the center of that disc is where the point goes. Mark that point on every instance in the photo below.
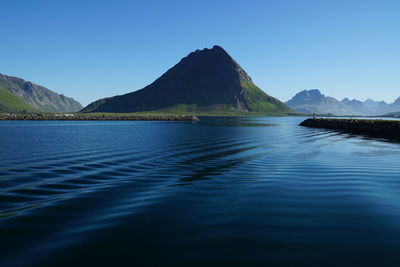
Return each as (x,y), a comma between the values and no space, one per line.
(245,185)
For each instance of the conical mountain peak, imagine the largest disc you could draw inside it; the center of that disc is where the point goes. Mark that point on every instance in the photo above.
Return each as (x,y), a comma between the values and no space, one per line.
(214,49)
(218,59)
(205,80)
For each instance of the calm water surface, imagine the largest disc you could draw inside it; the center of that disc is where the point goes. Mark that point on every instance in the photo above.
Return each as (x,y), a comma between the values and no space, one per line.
(238,191)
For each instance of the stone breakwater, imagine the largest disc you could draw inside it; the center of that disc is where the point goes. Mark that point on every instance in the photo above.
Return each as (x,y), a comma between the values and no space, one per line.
(95,117)
(377,128)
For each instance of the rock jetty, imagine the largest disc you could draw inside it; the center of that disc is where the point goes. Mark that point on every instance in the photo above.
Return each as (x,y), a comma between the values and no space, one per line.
(389,129)
(97,117)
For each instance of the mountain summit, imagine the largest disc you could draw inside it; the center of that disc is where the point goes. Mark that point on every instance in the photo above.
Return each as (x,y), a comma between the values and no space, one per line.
(207,80)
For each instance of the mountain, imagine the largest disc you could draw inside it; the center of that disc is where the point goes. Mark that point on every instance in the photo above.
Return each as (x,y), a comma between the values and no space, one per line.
(372,104)
(393,114)
(11,103)
(395,106)
(377,107)
(310,101)
(205,81)
(38,97)
(356,107)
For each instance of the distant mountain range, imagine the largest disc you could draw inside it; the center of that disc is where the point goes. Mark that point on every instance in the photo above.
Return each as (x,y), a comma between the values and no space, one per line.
(17,95)
(206,81)
(393,114)
(310,101)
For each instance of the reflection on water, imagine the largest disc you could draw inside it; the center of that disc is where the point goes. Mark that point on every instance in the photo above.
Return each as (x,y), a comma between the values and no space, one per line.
(221,191)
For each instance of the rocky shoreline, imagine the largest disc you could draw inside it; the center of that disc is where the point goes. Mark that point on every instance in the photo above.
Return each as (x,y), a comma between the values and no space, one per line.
(389,129)
(96,117)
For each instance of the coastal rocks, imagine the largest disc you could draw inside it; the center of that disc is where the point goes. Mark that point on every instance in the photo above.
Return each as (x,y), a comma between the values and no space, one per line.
(389,129)
(97,117)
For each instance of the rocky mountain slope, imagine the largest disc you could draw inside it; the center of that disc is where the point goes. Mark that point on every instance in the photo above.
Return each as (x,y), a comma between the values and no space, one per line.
(10,103)
(38,97)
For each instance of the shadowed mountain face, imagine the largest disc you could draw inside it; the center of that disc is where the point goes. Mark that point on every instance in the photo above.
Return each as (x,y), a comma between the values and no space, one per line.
(310,101)
(206,80)
(36,97)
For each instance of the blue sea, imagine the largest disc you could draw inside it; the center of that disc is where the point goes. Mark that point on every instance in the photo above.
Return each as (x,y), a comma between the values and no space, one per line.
(221,191)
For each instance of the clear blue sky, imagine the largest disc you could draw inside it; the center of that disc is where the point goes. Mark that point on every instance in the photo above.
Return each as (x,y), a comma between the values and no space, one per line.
(94,49)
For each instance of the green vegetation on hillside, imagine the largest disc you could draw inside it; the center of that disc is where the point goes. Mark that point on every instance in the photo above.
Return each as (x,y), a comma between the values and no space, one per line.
(261,102)
(11,103)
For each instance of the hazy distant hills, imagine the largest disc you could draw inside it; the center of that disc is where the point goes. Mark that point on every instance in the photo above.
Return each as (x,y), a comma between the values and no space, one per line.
(393,114)
(18,95)
(310,101)
(205,81)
